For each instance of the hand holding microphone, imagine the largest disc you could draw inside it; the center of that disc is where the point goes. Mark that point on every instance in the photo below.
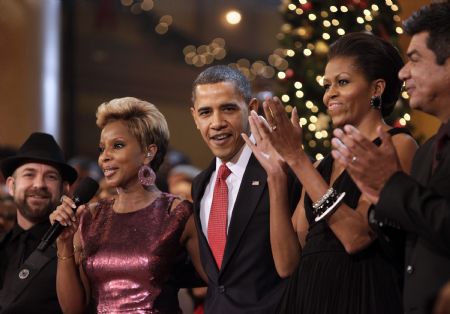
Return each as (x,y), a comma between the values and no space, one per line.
(64,215)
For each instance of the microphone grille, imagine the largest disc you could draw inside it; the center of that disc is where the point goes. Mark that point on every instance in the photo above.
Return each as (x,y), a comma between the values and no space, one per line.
(85,191)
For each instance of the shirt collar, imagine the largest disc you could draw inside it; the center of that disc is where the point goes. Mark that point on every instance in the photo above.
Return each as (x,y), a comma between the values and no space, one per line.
(239,161)
(37,231)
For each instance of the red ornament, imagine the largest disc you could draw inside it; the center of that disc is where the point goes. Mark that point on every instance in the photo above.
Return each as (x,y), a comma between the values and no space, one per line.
(289,73)
(397,124)
(358,3)
(307,6)
(383,33)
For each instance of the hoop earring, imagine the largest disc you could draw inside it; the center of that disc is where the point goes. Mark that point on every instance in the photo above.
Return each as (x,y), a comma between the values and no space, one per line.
(375,102)
(146,175)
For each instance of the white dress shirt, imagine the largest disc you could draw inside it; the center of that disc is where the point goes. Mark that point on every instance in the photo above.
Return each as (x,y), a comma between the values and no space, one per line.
(237,166)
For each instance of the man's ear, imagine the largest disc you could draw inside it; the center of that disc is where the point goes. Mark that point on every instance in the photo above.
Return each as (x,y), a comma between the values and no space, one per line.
(194,116)
(10,185)
(253,105)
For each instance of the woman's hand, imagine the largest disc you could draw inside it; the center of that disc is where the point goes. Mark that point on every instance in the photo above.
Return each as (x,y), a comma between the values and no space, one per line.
(66,215)
(286,136)
(442,305)
(263,150)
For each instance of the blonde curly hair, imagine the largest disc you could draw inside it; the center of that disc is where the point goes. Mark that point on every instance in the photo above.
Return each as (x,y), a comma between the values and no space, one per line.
(144,121)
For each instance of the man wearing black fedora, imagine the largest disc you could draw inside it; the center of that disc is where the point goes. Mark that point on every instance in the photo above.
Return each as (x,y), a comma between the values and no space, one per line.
(36,177)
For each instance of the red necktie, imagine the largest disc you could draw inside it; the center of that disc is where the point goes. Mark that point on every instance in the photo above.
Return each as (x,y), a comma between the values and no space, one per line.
(217,224)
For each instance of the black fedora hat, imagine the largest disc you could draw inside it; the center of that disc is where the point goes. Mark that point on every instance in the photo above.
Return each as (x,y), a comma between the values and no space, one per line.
(39,148)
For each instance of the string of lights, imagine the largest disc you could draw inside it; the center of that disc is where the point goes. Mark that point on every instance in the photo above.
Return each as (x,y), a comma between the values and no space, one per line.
(309,27)
(308,30)
(204,54)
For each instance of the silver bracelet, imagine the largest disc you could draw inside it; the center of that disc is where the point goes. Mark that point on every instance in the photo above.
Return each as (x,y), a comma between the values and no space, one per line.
(321,200)
(326,211)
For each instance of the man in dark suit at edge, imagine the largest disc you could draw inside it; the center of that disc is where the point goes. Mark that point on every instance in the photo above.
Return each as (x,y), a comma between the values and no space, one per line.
(36,177)
(234,240)
(419,203)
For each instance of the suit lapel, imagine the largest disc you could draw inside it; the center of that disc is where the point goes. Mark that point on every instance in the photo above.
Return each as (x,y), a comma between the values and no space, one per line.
(443,166)
(424,160)
(422,172)
(200,185)
(251,189)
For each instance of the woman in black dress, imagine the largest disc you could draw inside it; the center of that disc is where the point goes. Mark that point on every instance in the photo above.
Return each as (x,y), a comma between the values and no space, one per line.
(335,260)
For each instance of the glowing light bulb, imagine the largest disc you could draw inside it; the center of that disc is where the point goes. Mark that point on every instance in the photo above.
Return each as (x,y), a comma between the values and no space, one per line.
(285,98)
(233,17)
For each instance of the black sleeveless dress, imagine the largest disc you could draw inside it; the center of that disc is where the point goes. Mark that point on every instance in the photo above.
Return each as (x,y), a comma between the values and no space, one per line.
(329,280)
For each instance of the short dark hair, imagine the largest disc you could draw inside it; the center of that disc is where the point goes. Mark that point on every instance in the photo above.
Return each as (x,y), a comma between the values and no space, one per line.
(434,19)
(223,73)
(377,59)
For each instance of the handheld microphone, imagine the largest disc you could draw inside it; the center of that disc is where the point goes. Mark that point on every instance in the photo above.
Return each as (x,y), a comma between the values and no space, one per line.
(84,192)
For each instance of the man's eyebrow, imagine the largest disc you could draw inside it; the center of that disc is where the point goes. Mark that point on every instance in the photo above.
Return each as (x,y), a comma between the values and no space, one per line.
(29,169)
(53,172)
(203,107)
(412,52)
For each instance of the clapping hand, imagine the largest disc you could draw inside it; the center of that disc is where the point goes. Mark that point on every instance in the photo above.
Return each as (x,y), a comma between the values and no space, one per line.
(286,135)
(262,148)
(442,305)
(370,166)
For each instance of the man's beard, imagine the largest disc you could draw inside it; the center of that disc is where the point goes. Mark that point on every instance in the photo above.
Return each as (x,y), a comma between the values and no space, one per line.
(35,214)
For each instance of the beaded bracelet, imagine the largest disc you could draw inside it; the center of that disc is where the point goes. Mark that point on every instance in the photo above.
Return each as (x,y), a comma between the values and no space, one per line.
(326,202)
(329,206)
(324,197)
(63,258)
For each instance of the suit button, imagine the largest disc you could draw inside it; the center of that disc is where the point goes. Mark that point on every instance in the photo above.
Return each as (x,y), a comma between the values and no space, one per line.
(221,289)
(409,269)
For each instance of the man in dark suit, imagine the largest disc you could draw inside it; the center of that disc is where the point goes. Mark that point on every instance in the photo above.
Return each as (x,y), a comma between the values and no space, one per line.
(419,203)
(234,236)
(36,178)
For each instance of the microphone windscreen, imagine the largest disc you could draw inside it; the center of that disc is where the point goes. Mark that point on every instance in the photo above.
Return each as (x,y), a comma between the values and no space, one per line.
(85,191)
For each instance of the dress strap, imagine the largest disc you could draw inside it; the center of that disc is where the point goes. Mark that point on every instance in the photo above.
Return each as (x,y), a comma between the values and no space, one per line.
(169,199)
(392,132)
(395,131)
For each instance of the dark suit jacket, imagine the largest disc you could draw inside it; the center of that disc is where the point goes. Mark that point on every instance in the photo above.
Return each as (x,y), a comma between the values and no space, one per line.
(247,281)
(420,203)
(39,295)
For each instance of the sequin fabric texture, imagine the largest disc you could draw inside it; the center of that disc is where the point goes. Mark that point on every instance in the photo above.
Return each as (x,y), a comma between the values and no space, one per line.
(129,257)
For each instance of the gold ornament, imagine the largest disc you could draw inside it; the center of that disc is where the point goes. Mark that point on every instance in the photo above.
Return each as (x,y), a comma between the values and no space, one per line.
(321,47)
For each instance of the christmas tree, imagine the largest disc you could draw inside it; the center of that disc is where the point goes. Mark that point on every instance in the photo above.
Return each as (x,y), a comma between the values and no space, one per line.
(310,27)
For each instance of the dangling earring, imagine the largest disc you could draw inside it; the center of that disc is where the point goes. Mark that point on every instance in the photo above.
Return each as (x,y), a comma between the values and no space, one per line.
(375,102)
(146,174)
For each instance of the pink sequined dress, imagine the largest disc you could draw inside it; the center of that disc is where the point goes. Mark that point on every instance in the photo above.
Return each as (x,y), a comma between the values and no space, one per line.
(129,257)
